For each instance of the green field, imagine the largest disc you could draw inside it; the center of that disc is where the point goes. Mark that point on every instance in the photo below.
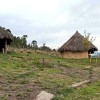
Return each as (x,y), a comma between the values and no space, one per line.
(23,75)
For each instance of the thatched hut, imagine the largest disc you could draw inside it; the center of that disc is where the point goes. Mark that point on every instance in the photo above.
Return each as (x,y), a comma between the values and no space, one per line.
(74,47)
(5,39)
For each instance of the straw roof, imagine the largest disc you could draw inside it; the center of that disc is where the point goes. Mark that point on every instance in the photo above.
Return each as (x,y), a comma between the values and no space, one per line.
(75,43)
(5,34)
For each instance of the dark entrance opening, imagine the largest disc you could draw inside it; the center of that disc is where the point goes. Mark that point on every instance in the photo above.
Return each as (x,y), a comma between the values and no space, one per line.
(91,51)
(2,45)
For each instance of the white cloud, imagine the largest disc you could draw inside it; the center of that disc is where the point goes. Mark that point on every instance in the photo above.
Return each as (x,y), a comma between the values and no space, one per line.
(50,21)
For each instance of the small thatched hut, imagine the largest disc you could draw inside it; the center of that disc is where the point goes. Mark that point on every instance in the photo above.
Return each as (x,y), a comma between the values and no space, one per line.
(5,39)
(74,47)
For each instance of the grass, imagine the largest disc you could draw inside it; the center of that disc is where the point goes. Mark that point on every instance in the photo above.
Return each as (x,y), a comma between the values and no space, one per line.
(23,75)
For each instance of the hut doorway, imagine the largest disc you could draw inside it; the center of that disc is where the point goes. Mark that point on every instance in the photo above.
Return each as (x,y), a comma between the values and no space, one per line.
(91,51)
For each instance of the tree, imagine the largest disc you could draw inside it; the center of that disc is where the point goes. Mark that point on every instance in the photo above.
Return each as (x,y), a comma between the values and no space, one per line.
(16,42)
(8,30)
(34,44)
(19,42)
(86,43)
(44,44)
(29,46)
(87,40)
(24,41)
(45,48)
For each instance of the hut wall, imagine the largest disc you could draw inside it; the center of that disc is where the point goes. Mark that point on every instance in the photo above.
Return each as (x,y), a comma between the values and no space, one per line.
(75,55)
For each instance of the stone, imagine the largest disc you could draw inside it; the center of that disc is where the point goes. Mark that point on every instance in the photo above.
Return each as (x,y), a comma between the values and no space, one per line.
(43,95)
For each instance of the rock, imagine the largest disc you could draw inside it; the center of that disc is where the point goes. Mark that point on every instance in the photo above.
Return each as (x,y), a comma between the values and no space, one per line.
(44,96)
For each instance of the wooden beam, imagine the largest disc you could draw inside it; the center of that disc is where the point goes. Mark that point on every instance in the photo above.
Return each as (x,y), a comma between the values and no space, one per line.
(80,84)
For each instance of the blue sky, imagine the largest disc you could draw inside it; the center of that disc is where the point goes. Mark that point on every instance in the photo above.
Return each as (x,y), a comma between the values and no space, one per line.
(51,21)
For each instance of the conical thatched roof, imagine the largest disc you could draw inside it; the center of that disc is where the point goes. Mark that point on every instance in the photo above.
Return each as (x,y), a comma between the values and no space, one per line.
(75,43)
(5,34)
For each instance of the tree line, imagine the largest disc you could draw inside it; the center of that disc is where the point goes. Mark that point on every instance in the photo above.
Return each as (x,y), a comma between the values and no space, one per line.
(21,42)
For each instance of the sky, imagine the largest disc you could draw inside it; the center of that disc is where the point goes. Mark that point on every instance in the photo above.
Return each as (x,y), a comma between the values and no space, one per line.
(51,21)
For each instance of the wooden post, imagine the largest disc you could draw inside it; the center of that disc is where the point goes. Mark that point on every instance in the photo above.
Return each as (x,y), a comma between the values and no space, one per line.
(96,59)
(5,49)
(90,59)
(2,50)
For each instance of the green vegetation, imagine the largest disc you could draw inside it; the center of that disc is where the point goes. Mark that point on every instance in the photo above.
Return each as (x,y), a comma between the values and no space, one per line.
(21,42)
(24,74)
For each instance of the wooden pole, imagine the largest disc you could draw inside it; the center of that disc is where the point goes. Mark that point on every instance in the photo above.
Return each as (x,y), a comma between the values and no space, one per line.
(80,84)
(90,59)
(5,49)
(2,50)
(96,59)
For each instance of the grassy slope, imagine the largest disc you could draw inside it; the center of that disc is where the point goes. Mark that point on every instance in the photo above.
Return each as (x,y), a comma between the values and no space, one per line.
(23,75)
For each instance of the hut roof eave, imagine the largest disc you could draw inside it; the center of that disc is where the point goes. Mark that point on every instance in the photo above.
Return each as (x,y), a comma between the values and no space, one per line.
(5,35)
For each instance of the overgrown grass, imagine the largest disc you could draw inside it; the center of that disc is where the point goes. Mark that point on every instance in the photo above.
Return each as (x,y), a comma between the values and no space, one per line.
(24,73)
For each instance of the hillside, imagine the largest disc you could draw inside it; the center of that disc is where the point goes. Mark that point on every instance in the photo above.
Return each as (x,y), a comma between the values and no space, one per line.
(24,73)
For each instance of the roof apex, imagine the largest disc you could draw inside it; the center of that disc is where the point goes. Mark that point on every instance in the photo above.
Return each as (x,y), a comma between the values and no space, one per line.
(77,31)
